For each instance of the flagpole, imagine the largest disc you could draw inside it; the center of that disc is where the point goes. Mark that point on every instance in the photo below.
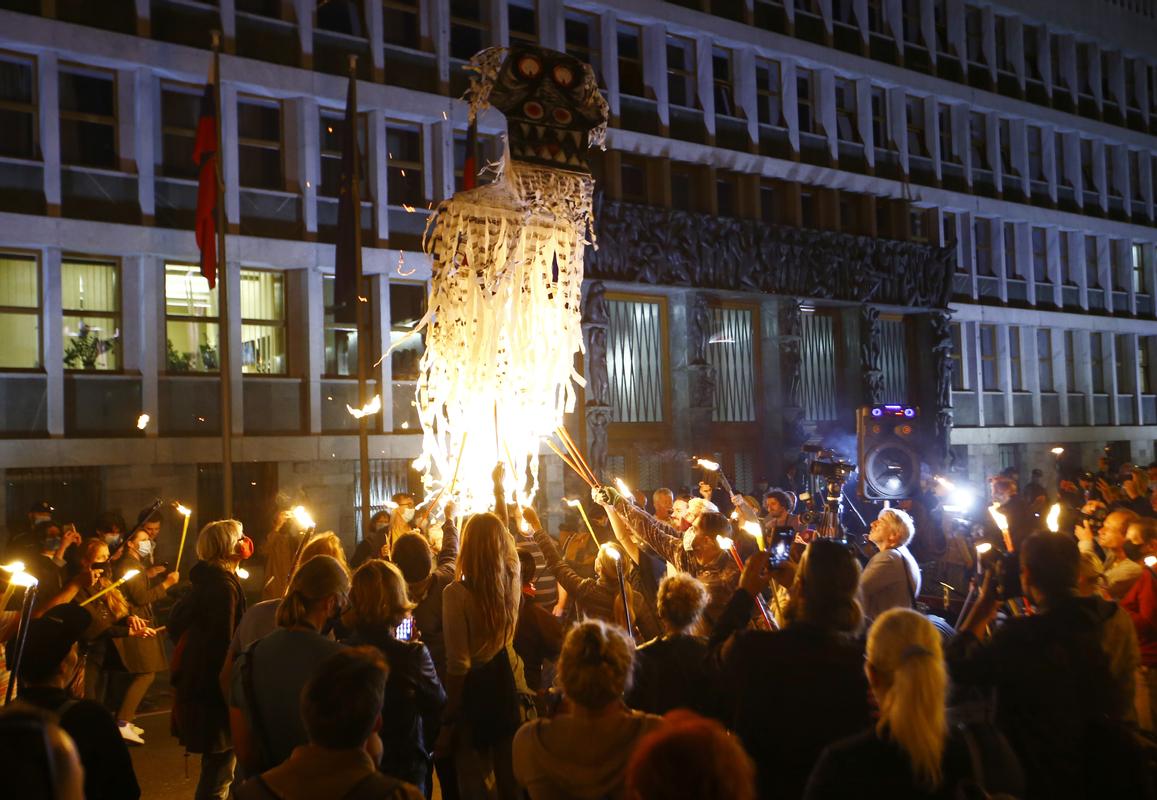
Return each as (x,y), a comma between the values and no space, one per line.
(363,311)
(223,339)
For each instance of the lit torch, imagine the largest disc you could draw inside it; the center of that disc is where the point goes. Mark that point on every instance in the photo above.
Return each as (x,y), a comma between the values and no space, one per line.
(1054,518)
(186,513)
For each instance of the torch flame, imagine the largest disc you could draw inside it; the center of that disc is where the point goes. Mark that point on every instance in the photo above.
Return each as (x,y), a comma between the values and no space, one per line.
(710,466)
(183,511)
(1056,451)
(610,550)
(624,490)
(1151,561)
(1000,519)
(724,542)
(983,548)
(142,422)
(24,579)
(303,518)
(370,408)
(14,567)
(572,503)
(1054,517)
(947,484)
(242,573)
(128,576)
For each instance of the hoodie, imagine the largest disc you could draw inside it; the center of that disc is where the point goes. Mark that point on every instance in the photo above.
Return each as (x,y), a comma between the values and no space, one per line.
(574,758)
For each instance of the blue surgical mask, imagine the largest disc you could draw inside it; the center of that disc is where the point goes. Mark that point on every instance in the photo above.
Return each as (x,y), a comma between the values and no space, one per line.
(145,547)
(52,543)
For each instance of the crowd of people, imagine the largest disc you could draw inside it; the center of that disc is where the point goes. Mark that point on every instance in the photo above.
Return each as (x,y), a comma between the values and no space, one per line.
(659,646)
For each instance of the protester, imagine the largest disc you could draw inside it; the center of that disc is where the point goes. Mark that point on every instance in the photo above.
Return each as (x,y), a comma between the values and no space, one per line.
(37,757)
(487,697)
(538,637)
(584,753)
(414,696)
(1021,521)
(341,712)
(697,552)
(142,657)
(201,624)
(375,543)
(689,756)
(816,693)
(891,578)
(671,670)
(267,678)
(909,752)
(1140,603)
(44,558)
(1063,677)
(280,548)
(48,667)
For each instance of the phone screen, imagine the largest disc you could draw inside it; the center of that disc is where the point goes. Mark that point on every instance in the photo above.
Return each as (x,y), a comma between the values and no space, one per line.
(780,547)
(405,631)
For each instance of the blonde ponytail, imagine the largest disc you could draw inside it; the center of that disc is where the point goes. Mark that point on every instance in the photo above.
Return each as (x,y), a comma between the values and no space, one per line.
(904,653)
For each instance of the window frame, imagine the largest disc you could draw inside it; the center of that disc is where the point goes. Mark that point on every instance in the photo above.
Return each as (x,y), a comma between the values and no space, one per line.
(116,315)
(263,144)
(402,165)
(70,67)
(280,324)
(33,108)
(187,90)
(624,28)
(590,53)
(1044,357)
(724,87)
(770,99)
(36,312)
(215,319)
(688,73)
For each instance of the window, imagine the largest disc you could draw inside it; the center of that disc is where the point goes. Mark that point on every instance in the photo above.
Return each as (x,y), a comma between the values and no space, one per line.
(944,132)
(1121,277)
(1125,380)
(1011,268)
(767,206)
(768,88)
(977,144)
(1134,177)
(974,35)
(90,296)
(880,127)
(633,171)
(407,308)
(260,145)
(401,23)
(1003,46)
(1136,253)
(341,338)
(18,108)
(1036,164)
(681,72)
(1064,242)
(683,187)
(957,357)
(845,110)
(180,111)
(982,236)
(263,339)
(918,224)
(807,209)
(88,119)
(636,356)
(1143,364)
(488,150)
(725,193)
(404,179)
(805,102)
(1097,345)
(330,136)
(724,78)
(1017,374)
(630,42)
(988,380)
(915,114)
(1044,359)
(910,10)
(469,27)
(523,22)
(191,328)
(1032,51)
(582,39)
(1087,172)
(19,312)
(1004,147)
(948,234)
(1086,57)
(1040,256)
(1092,263)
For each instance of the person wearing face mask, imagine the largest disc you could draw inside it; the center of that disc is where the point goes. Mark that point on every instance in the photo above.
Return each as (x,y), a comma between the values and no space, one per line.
(401,521)
(705,559)
(267,679)
(371,546)
(142,658)
(47,668)
(46,563)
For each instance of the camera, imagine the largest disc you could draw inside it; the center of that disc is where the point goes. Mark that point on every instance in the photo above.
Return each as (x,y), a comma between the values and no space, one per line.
(831,468)
(1095,518)
(1006,567)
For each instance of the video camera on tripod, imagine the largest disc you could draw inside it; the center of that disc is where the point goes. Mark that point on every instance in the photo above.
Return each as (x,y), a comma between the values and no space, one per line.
(833,471)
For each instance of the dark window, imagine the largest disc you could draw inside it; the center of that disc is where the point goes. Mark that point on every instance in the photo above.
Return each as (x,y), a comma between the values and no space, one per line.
(407,307)
(807,209)
(260,145)
(982,237)
(915,113)
(329,145)
(180,110)
(523,21)
(988,380)
(582,39)
(769,89)
(1044,359)
(880,119)
(722,74)
(1092,264)
(725,193)
(977,140)
(1040,255)
(630,40)
(404,158)
(681,72)
(17,108)
(634,179)
(488,151)
(804,100)
(846,110)
(1036,165)
(1011,269)
(88,119)
(944,125)
(767,207)
(401,23)
(974,34)
(469,28)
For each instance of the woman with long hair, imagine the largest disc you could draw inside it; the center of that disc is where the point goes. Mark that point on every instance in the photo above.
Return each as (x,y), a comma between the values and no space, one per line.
(906,753)
(487,697)
(414,696)
(202,623)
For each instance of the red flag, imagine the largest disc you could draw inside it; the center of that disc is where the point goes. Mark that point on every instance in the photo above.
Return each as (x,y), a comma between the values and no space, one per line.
(205,157)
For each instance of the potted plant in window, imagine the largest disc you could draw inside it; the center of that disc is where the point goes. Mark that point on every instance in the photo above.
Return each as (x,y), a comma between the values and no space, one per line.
(85,347)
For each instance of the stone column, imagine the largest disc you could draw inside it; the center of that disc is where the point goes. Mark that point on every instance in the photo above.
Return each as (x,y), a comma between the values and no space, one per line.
(871,363)
(595,324)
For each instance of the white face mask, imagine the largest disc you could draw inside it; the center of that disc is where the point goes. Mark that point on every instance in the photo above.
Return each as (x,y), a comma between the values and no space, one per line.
(689,539)
(145,548)
(407,514)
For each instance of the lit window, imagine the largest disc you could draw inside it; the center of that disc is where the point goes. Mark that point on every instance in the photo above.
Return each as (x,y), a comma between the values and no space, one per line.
(191,328)
(18,111)
(407,308)
(19,312)
(263,348)
(90,296)
(1138,265)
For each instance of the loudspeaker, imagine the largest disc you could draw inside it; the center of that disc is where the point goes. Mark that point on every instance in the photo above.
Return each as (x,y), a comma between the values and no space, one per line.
(887,442)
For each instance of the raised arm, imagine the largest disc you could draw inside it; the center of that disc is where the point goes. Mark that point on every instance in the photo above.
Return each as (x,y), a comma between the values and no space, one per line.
(659,536)
(576,585)
(623,534)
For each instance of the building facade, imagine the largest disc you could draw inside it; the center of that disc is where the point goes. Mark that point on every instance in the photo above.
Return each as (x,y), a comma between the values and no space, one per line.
(1017,138)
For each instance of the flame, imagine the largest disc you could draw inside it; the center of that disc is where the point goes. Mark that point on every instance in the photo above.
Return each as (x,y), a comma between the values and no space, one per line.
(572,503)
(1151,561)
(128,576)
(724,542)
(303,518)
(1056,451)
(947,484)
(24,579)
(14,567)
(1054,517)
(983,548)
(370,408)
(711,466)
(183,511)
(610,550)
(142,422)
(624,490)
(1000,519)
(242,573)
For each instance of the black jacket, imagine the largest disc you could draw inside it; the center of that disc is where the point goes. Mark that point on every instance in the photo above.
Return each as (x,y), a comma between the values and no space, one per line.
(108,770)
(202,625)
(671,672)
(788,694)
(1056,699)
(414,700)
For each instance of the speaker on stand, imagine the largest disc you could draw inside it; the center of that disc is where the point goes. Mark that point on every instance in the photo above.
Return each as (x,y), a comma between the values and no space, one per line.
(888,452)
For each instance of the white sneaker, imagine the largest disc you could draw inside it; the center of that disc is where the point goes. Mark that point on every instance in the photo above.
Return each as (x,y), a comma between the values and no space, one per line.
(140,731)
(129,734)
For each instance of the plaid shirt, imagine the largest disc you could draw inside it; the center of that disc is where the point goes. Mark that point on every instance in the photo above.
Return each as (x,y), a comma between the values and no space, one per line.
(721,577)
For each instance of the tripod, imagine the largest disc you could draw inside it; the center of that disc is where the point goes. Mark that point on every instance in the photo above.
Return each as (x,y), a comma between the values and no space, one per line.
(830,526)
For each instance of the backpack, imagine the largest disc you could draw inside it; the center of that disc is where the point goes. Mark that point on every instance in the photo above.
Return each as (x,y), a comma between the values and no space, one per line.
(995,771)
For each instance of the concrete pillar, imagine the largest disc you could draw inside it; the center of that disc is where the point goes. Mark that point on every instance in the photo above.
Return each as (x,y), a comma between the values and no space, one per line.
(375,19)
(380,319)
(52,339)
(228,11)
(655,69)
(233,276)
(229,156)
(552,24)
(48,86)
(746,96)
(148,116)
(149,297)
(304,154)
(705,84)
(439,20)
(310,307)
(442,144)
(609,45)
(378,178)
